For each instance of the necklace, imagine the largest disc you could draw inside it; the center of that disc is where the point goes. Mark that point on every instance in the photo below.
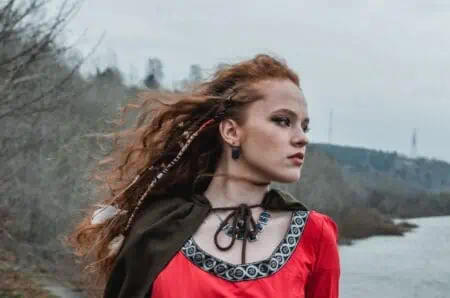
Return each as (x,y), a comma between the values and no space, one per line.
(263,220)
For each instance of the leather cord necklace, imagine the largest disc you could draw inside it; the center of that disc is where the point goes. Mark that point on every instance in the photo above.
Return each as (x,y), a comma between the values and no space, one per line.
(241,219)
(262,221)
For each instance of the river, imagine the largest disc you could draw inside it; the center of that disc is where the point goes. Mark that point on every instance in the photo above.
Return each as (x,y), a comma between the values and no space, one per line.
(415,265)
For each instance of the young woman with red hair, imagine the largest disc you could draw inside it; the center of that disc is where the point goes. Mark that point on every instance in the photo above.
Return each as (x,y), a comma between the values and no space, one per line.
(192,211)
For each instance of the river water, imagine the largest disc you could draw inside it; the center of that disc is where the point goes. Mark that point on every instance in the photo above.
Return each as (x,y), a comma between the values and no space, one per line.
(415,265)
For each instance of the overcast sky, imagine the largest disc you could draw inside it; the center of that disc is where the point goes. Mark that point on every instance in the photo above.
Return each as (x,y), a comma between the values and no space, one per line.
(382,66)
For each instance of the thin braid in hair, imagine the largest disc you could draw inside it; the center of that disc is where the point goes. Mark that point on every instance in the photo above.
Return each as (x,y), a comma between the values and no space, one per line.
(219,115)
(175,139)
(227,103)
(165,171)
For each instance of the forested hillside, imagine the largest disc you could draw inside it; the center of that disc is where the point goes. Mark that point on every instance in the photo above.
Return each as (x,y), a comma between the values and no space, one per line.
(419,173)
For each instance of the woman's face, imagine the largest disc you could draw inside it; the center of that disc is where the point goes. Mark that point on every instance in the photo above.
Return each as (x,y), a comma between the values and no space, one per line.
(273,136)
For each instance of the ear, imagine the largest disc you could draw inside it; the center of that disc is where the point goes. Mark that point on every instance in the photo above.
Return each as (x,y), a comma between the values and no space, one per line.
(231,132)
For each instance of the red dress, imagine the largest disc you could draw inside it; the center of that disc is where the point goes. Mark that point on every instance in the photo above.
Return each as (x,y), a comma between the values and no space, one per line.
(305,264)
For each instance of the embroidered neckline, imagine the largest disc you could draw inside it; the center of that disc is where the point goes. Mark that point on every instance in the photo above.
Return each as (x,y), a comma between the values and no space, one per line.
(255,270)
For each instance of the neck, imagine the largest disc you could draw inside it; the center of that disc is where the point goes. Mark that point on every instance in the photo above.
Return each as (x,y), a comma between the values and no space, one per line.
(230,192)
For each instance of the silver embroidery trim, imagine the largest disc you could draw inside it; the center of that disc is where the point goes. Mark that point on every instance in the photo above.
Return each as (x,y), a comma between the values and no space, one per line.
(250,271)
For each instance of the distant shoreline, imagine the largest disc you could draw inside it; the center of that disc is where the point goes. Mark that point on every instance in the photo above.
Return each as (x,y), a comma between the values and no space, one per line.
(363,223)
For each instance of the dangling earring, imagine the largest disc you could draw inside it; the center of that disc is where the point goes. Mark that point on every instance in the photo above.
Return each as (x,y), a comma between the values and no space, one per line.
(235,152)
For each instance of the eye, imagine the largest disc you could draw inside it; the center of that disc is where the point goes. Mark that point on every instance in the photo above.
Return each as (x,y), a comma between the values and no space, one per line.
(282,121)
(306,128)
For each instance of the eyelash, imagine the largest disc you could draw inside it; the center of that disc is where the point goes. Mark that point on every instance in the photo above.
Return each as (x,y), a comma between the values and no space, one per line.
(280,119)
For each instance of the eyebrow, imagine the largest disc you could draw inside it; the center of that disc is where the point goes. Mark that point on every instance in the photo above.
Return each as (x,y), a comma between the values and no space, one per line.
(292,114)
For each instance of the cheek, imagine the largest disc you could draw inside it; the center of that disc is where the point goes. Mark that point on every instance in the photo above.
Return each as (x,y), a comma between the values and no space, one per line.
(268,142)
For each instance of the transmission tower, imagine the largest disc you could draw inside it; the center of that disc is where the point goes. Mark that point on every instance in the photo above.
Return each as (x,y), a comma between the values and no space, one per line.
(414,144)
(330,127)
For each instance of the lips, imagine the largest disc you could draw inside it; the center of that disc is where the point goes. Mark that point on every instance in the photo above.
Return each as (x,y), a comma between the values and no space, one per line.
(297,155)
(297,158)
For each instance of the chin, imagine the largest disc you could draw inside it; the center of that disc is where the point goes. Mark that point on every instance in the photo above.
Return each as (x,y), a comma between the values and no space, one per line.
(288,177)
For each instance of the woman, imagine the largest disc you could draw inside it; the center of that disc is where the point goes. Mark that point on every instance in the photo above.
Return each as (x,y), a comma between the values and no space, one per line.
(192,212)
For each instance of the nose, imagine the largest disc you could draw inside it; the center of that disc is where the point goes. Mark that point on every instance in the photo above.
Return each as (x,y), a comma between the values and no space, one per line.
(300,139)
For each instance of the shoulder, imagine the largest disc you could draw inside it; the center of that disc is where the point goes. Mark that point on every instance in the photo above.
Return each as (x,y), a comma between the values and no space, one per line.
(322,233)
(322,226)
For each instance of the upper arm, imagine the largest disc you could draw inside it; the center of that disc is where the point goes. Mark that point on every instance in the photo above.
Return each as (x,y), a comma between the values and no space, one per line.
(323,281)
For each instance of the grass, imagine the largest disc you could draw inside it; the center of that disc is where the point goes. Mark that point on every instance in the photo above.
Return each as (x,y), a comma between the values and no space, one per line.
(15,284)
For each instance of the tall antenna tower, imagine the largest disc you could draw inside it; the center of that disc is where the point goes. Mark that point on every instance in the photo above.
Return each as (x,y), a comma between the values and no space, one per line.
(330,127)
(414,144)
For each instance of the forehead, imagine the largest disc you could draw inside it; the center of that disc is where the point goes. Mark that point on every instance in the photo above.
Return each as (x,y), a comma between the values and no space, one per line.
(281,94)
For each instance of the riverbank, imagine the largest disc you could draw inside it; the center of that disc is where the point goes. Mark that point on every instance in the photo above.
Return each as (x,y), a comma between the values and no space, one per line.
(361,223)
(21,283)
(26,275)
(18,284)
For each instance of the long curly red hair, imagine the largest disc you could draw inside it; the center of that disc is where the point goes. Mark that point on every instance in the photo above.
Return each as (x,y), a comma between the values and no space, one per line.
(162,119)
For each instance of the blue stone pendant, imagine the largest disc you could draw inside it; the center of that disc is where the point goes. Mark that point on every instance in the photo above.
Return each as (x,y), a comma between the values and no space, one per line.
(252,235)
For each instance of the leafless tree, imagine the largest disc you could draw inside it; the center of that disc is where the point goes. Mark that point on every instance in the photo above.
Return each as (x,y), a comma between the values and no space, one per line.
(40,86)
(34,76)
